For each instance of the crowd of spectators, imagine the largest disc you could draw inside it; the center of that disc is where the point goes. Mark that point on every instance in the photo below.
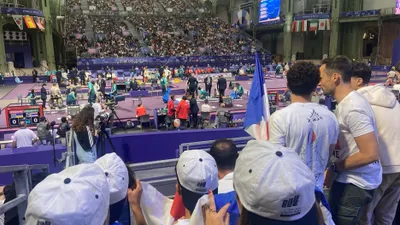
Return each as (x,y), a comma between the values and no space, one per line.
(148,7)
(176,7)
(103,5)
(73,4)
(112,38)
(75,36)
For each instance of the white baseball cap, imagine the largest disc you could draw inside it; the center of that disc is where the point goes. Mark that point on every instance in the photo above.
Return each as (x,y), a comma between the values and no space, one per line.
(117,176)
(197,173)
(77,195)
(273,182)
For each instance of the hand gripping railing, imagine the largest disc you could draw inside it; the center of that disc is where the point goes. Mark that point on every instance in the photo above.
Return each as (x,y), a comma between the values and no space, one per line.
(23,185)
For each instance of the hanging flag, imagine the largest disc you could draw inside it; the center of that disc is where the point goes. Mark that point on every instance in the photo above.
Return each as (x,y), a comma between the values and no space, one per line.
(314,25)
(328,24)
(304,25)
(296,26)
(30,23)
(18,21)
(322,24)
(39,23)
(257,112)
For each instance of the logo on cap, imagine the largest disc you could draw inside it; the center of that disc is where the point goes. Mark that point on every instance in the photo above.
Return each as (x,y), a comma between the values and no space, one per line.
(43,223)
(201,184)
(291,202)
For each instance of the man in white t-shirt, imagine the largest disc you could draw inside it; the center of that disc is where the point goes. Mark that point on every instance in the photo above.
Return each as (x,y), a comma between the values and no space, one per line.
(308,128)
(225,153)
(382,209)
(24,137)
(357,165)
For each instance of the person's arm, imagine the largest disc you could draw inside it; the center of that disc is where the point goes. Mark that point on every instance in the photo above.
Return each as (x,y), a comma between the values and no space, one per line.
(14,144)
(363,131)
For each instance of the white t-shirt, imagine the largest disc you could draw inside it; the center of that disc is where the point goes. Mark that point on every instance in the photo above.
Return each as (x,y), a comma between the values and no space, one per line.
(225,185)
(205,108)
(24,137)
(97,109)
(356,118)
(309,129)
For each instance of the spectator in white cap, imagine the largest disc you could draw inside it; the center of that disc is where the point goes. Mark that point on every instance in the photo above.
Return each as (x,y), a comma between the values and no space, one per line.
(77,195)
(273,187)
(197,173)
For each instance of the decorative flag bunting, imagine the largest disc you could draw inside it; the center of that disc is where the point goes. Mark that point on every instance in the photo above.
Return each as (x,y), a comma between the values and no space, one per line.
(18,21)
(328,24)
(304,25)
(314,25)
(322,24)
(39,22)
(30,23)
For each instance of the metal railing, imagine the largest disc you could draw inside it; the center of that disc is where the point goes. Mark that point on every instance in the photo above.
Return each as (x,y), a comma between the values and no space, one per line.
(23,185)
(205,145)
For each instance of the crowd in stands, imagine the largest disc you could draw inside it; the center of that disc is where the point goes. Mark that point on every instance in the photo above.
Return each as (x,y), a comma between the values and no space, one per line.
(162,35)
(103,5)
(112,38)
(147,7)
(73,4)
(76,28)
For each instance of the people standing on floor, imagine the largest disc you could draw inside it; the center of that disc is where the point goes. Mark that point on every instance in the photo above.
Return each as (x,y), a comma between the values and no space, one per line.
(59,76)
(221,86)
(192,85)
(208,84)
(182,111)
(91,92)
(34,75)
(163,83)
(102,84)
(171,110)
(43,95)
(82,77)
(194,110)
(356,166)
(62,129)
(308,128)
(382,209)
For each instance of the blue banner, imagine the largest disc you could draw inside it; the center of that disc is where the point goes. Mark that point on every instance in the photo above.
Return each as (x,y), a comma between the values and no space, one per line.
(311,16)
(174,61)
(269,10)
(375,12)
(21,11)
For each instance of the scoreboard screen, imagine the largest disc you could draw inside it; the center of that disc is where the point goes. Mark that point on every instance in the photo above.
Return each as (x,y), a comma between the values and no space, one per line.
(30,114)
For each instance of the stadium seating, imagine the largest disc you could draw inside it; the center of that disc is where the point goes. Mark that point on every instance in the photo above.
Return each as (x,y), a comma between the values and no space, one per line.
(158,30)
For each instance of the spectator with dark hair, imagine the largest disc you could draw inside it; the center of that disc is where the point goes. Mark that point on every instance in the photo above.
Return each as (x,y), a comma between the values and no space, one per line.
(84,135)
(62,130)
(225,153)
(382,209)
(308,128)
(357,166)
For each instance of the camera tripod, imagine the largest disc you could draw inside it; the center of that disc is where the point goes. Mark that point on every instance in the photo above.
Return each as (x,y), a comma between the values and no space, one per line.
(103,136)
(112,115)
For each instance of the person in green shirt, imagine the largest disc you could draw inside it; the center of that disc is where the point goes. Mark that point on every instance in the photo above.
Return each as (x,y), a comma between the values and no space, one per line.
(92,93)
(163,83)
(32,97)
(114,88)
(203,93)
(1,79)
(239,90)
(71,98)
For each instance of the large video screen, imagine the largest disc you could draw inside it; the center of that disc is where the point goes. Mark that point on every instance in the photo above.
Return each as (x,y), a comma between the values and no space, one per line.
(269,10)
(397,7)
